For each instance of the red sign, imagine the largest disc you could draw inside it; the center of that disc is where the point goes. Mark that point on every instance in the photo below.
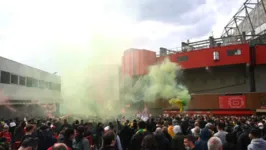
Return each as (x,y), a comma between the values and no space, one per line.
(232,102)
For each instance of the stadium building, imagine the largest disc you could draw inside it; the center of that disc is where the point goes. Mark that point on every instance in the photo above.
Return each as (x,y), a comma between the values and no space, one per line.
(224,75)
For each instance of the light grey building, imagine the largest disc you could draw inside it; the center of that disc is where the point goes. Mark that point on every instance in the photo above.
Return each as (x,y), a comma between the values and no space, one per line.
(24,85)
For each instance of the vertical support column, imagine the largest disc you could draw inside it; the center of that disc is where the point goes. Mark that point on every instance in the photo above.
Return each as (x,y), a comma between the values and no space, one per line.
(251,70)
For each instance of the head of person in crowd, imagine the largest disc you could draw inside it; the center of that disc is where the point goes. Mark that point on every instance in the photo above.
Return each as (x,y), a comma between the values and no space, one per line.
(80,133)
(177,129)
(158,131)
(208,125)
(189,142)
(215,143)
(205,134)
(220,126)
(29,144)
(174,122)
(260,125)
(245,128)
(196,124)
(109,139)
(5,128)
(196,133)
(69,134)
(149,143)
(254,133)
(142,125)
(29,129)
(59,146)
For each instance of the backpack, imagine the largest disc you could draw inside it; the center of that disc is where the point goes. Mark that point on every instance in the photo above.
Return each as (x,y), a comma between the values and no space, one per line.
(77,145)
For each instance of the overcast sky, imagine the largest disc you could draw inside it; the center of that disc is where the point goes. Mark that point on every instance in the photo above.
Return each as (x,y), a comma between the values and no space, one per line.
(32,32)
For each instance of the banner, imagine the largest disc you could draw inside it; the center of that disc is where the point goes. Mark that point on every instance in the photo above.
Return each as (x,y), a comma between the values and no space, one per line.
(232,102)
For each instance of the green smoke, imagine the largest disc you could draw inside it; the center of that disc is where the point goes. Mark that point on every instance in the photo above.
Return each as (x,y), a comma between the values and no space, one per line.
(162,82)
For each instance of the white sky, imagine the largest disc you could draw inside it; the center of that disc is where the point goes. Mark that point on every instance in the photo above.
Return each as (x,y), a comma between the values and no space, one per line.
(41,33)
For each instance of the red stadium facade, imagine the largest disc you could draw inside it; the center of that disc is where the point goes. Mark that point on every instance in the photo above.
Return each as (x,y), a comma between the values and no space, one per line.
(231,70)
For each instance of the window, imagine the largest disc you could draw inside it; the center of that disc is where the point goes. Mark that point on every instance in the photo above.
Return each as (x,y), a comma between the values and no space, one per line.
(29,82)
(14,79)
(22,80)
(35,83)
(234,52)
(41,84)
(5,77)
(182,58)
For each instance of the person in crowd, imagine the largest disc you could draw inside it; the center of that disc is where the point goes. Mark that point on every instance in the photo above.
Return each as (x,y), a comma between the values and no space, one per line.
(68,137)
(257,143)
(151,125)
(202,122)
(99,134)
(170,129)
(229,144)
(189,142)
(45,137)
(184,125)
(243,139)
(109,141)
(4,143)
(149,143)
(59,146)
(166,134)
(28,132)
(79,142)
(262,130)
(214,143)
(196,125)
(178,139)
(5,133)
(29,144)
(163,142)
(205,135)
(19,131)
(221,133)
(118,141)
(126,133)
(196,133)
(135,143)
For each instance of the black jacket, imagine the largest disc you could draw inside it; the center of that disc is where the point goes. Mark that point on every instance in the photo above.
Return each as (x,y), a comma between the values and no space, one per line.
(135,143)
(178,142)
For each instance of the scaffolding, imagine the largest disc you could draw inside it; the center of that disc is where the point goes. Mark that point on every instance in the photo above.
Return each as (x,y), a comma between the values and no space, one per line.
(248,25)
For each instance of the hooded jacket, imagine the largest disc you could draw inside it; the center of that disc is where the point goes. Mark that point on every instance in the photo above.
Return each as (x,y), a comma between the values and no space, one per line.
(170,131)
(204,137)
(257,144)
(178,139)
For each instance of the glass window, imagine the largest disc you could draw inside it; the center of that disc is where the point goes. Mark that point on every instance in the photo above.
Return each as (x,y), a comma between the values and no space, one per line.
(29,82)
(14,79)
(5,77)
(234,52)
(41,84)
(22,80)
(35,83)
(182,58)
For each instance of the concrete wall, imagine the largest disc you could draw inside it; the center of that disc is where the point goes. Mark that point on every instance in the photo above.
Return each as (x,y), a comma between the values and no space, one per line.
(227,79)
(260,76)
(19,92)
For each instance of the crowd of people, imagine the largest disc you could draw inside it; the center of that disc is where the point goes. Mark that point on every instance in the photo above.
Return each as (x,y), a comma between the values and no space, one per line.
(180,132)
